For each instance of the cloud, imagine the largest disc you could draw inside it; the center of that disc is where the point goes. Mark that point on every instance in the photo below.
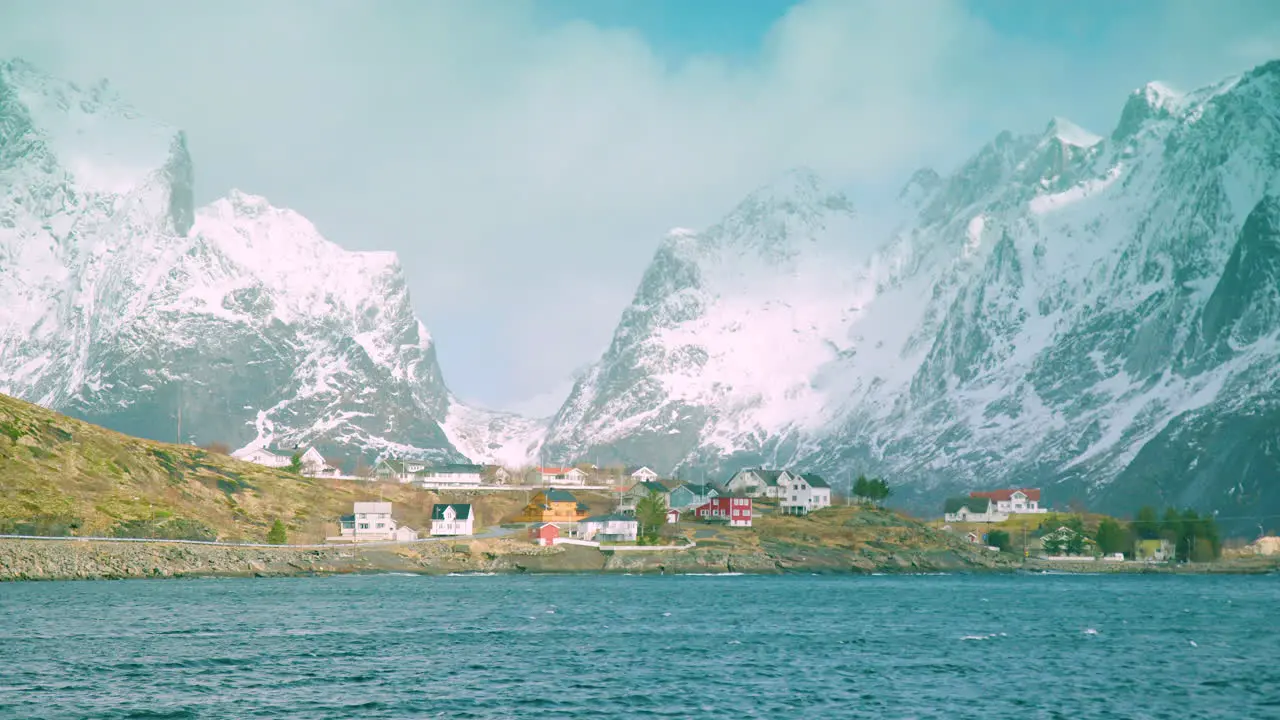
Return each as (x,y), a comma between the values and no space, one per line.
(524,171)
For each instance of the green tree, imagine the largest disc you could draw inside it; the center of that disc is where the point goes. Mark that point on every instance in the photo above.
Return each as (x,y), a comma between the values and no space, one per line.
(1055,544)
(860,491)
(651,514)
(1146,525)
(1111,537)
(877,490)
(1075,542)
(276,535)
(999,539)
(295,464)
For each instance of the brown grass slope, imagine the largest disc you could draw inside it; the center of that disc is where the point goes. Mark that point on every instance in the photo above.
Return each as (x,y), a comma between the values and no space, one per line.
(59,475)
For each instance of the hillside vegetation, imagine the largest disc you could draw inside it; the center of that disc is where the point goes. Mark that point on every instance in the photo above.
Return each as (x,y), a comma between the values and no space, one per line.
(62,476)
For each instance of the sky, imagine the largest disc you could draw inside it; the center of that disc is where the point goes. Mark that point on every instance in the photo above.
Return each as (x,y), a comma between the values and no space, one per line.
(525,158)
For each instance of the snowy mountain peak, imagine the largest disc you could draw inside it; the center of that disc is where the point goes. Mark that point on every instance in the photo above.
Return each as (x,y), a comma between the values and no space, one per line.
(93,134)
(1067,132)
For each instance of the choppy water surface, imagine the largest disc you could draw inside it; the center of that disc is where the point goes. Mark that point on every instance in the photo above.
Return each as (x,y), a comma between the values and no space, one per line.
(640,647)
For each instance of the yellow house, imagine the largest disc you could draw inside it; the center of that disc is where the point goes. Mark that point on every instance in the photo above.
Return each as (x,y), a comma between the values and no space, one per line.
(1153,550)
(554,506)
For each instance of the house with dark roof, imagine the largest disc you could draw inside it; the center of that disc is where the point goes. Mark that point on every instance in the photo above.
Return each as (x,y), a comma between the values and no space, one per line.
(615,527)
(972,509)
(759,482)
(635,493)
(437,476)
(690,495)
(553,506)
(803,494)
(452,519)
(1013,501)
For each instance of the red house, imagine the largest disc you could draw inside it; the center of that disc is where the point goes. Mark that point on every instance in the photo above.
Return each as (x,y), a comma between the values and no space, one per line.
(544,533)
(737,510)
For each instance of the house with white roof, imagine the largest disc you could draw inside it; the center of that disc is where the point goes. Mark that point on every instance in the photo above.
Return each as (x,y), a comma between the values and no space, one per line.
(972,509)
(452,519)
(641,474)
(312,462)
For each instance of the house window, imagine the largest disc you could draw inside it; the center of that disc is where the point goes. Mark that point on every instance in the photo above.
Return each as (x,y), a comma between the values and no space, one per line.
(364,526)
(382,525)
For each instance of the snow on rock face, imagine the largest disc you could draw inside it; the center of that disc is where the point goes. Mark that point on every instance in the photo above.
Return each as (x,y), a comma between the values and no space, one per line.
(120,303)
(1053,308)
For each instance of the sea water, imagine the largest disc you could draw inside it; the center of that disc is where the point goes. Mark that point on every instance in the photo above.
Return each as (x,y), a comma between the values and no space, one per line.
(954,646)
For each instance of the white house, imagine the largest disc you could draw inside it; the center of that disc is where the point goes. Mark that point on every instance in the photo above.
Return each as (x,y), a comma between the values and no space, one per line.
(759,482)
(972,509)
(1013,501)
(642,474)
(369,521)
(263,456)
(452,519)
(404,471)
(313,463)
(802,494)
(559,476)
(450,476)
(605,528)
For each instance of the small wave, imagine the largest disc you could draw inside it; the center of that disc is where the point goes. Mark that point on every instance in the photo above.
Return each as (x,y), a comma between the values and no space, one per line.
(471,574)
(988,636)
(402,574)
(1090,631)
(723,574)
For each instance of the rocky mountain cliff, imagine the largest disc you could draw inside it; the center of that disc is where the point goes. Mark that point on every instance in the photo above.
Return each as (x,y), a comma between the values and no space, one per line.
(123,304)
(1097,315)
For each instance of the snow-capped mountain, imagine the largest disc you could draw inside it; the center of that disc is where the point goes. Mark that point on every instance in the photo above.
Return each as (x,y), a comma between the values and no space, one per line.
(1092,314)
(121,303)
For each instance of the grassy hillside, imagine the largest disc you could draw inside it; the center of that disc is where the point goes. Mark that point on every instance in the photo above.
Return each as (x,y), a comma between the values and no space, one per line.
(63,476)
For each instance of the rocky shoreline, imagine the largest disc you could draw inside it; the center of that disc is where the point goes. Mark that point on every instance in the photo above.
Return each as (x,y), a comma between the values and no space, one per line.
(92,560)
(88,560)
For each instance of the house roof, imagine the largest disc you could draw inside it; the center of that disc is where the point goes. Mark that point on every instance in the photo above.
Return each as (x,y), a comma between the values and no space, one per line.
(770,477)
(699,490)
(652,486)
(975,505)
(348,518)
(454,469)
(556,470)
(633,469)
(554,495)
(540,525)
(815,480)
(1007,494)
(612,517)
(462,509)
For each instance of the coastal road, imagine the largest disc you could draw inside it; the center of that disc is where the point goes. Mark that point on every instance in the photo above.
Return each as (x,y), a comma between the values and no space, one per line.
(493,532)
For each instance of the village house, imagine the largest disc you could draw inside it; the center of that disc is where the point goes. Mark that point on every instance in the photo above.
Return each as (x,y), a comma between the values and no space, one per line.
(1154,550)
(973,510)
(673,516)
(452,519)
(759,482)
(553,506)
(311,462)
(562,476)
(608,528)
(371,521)
(688,495)
(544,533)
(734,510)
(1013,501)
(803,494)
(496,475)
(438,476)
(641,474)
(627,503)
(403,471)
